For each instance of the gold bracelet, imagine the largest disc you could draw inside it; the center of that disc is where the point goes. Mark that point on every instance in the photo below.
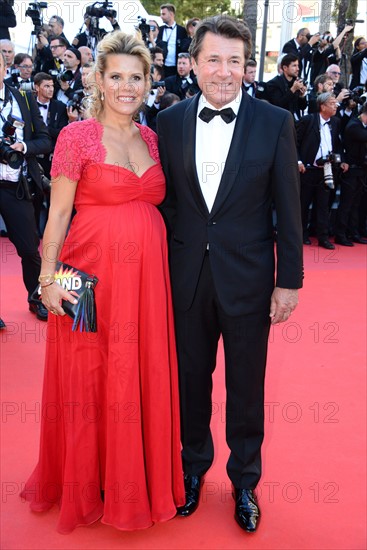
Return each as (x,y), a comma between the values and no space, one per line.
(49,284)
(46,278)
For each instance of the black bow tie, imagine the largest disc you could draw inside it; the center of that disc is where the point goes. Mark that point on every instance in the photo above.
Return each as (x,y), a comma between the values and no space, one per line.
(25,81)
(168,27)
(327,122)
(42,105)
(227,114)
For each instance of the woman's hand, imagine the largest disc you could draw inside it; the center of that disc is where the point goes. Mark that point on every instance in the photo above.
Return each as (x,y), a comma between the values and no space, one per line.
(51,296)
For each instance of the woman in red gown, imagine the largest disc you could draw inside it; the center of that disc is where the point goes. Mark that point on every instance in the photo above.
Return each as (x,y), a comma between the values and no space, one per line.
(110,445)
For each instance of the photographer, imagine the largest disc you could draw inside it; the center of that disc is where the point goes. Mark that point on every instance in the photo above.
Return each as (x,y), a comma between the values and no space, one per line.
(24,135)
(43,45)
(7,18)
(287,90)
(353,182)
(53,113)
(302,47)
(92,33)
(319,151)
(323,83)
(358,61)
(70,80)
(76,109)
(22,72)
(58,46)
(327,52)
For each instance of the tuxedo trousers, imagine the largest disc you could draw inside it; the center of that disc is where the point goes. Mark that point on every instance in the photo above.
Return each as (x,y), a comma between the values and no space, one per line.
(19,218)
(245,340)
(313,189)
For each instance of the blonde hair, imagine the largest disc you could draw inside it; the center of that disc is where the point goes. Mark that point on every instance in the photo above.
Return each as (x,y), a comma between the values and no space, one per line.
(115,43)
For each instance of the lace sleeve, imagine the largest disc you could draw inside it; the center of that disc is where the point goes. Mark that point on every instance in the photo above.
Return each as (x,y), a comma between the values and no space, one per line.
(78,145)
(151,139)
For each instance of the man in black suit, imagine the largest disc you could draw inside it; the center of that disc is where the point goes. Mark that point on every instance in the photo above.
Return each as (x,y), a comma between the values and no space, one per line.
(58,46)
(172,38)
(18,182)
(180,83)
(317,137)
(353,182)
(23,64)
(53,113)
(287,90)
(221,184)
(302,47)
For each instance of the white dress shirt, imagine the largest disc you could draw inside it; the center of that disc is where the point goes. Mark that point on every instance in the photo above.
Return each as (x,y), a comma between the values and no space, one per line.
(170,36)
(213,140)
(43,111)
(326,145)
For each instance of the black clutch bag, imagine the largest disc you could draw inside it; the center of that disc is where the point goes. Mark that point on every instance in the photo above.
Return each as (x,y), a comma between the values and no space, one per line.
(84,312)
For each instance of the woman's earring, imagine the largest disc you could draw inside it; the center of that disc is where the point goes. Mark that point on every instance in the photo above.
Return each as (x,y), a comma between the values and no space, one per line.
(102,96)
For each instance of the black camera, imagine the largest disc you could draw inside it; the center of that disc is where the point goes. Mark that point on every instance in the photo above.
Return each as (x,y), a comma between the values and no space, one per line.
(100,9)
(157,84)
(326,162)
(356,95)
(65,76)
(7,155)
(333,158)
(14,73)
(329,39)
(143,26)
(76,102)
(34,11)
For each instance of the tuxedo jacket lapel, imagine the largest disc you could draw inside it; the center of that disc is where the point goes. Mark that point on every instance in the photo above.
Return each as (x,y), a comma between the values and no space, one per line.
(236,151)
(189,143)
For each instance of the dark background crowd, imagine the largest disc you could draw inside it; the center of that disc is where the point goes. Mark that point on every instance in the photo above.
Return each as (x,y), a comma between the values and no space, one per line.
(52,81)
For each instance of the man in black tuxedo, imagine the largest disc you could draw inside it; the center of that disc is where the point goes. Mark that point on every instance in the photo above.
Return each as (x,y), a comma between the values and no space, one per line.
(317,136)
(287,90)
(302,47)
(180,83)
(23,64)
(53,113)
(353,182)
(221,184)
(58,46)
(172,38)
(19,182)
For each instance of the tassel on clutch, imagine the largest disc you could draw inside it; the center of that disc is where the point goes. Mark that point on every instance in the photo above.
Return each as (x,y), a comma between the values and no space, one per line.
(84,312)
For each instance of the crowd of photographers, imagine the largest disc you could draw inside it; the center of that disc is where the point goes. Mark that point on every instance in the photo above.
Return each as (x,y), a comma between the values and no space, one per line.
(52,83)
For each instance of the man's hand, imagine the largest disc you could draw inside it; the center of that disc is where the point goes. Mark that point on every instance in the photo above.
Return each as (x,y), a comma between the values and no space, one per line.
(17,146)
(344,94)
(73,114)
(41,42)
(283,302)
(301,168)
(314,39)
(298,86)
(344,166)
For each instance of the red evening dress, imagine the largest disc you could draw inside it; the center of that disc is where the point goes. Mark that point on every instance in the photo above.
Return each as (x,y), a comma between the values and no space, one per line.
(110,442)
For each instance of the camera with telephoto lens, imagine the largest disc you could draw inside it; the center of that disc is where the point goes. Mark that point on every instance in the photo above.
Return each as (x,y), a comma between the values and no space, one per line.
(34,11)
(76,102)
(327,37)
(101,9)
(357,95)
(157,84)
(8,155)
(327,161)
(65,76)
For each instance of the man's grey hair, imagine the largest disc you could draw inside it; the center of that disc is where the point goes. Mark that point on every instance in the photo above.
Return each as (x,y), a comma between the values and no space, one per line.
(323,98)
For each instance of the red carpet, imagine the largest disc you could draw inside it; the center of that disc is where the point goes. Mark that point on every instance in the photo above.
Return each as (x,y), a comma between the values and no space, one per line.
(313,489)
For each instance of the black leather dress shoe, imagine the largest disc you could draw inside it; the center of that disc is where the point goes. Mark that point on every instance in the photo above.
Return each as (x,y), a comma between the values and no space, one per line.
(325,243)
(306,240)
(39,309)
(343,241)
(247,511)
(193,486)
(2,324)
(358,239)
